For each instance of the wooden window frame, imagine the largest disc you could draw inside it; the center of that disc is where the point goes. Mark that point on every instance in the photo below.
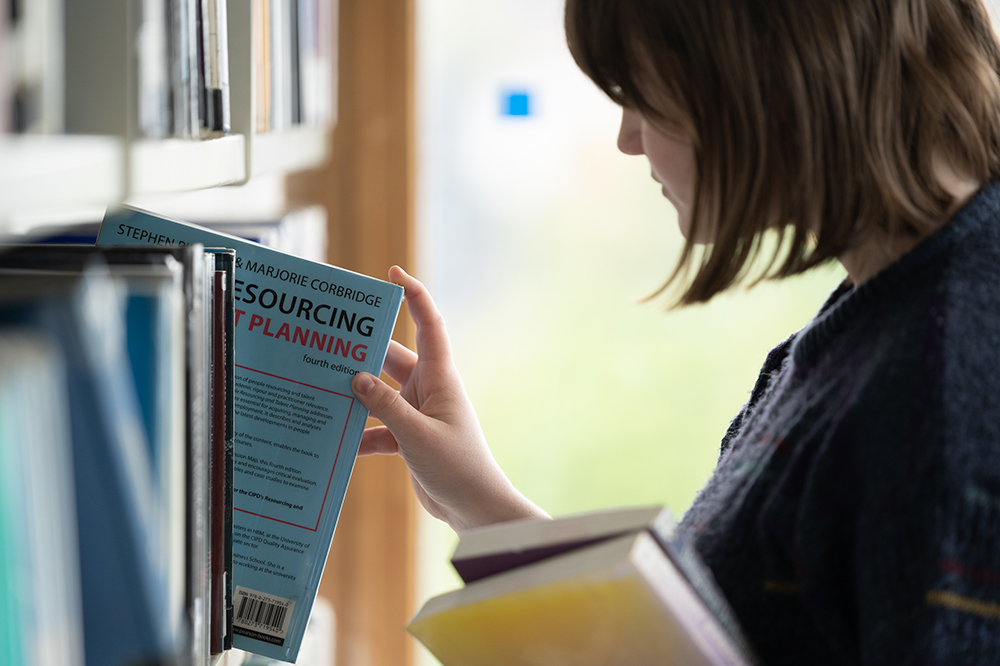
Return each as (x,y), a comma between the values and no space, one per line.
(367,188)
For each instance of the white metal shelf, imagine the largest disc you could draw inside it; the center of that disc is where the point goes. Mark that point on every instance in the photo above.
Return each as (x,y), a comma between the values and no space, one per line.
(45,178)
(178,165)
(56,174)
(292,149)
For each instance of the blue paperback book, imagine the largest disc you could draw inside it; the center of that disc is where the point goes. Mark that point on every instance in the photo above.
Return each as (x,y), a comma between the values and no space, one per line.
(303,329)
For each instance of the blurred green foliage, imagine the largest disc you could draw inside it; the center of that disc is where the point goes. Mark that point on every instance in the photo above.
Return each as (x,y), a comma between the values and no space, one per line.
(592,399)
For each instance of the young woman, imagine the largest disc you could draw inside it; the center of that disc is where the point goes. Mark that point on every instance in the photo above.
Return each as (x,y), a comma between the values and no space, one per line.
(854,516)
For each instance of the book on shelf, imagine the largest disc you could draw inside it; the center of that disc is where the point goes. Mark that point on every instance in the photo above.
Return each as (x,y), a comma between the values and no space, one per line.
(197,68)
(318,23)
(223,447)
(6,98)
(40,613)
(180,85)
(294,63)
(213,68)
(282,63)
(63,66)
(32,64)
(302,330)
(154,76)
(261,64)
(141,411)
(610,587)
(124,580)
(183,67)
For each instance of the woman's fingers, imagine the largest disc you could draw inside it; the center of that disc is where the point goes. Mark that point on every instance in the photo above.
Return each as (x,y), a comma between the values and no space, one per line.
(386,404)
(378,441)
(399,363)
(433,345)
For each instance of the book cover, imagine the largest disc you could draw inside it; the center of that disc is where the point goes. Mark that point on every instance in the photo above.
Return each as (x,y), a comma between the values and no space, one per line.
(619,601)
(302,331)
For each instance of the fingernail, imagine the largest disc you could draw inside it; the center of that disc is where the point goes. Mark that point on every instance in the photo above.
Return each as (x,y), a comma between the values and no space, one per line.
(363,384)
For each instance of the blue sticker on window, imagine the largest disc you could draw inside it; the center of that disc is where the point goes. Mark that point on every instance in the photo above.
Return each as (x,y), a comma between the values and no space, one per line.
(516,104)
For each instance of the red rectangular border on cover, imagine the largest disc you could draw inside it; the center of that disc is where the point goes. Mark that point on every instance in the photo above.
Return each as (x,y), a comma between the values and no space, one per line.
(340,445)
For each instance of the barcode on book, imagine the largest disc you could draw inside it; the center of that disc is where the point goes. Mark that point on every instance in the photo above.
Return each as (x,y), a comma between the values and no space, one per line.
(261,616)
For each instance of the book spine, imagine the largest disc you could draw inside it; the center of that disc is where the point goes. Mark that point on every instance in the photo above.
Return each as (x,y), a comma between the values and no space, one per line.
(228,263)
(198,595)
(154,70)
(5,82)
(295,63)
(180,63)
(218,463)
(309,61)
(328,37)
(214,69)
(195,58)
(220,50)
(36,50)
(279,59)
(201,66)
(687,560)
(39,565)
(262,64)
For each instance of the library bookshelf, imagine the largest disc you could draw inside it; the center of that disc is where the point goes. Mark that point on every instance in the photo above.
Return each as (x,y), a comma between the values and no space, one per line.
(95,111)
(90,146)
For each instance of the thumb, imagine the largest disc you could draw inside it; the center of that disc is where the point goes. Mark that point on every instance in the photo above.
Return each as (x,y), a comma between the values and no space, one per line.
(384,402)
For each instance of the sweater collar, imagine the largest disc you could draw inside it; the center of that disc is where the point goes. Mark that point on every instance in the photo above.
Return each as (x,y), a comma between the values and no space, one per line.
(846,304)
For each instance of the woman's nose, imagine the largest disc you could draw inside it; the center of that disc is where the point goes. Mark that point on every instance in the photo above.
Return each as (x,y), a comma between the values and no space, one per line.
(629,135)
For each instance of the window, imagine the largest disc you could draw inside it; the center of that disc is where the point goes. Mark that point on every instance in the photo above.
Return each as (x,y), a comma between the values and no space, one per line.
(537,239)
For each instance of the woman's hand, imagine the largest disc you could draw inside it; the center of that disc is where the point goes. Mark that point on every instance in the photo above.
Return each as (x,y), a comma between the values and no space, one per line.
(431,423)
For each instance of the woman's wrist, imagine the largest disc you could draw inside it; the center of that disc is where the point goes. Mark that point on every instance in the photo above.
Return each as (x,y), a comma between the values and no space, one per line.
(497,502)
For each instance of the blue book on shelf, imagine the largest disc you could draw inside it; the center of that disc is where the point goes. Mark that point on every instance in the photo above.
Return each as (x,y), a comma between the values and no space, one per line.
(40,612)
(123,588)
(303,329)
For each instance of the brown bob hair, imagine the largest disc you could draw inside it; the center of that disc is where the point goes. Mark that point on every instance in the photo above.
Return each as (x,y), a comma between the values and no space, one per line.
(822,119)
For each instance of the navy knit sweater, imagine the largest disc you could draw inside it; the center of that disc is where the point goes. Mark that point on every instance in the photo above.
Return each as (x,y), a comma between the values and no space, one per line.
(854,516)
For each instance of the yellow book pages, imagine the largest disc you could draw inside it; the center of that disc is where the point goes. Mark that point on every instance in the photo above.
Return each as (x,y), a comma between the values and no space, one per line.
(617,603)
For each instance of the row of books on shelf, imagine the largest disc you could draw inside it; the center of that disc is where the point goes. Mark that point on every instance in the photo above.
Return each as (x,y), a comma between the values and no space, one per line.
(55,56)
(171,466)
(294,63)
(118,442)
(183,58)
